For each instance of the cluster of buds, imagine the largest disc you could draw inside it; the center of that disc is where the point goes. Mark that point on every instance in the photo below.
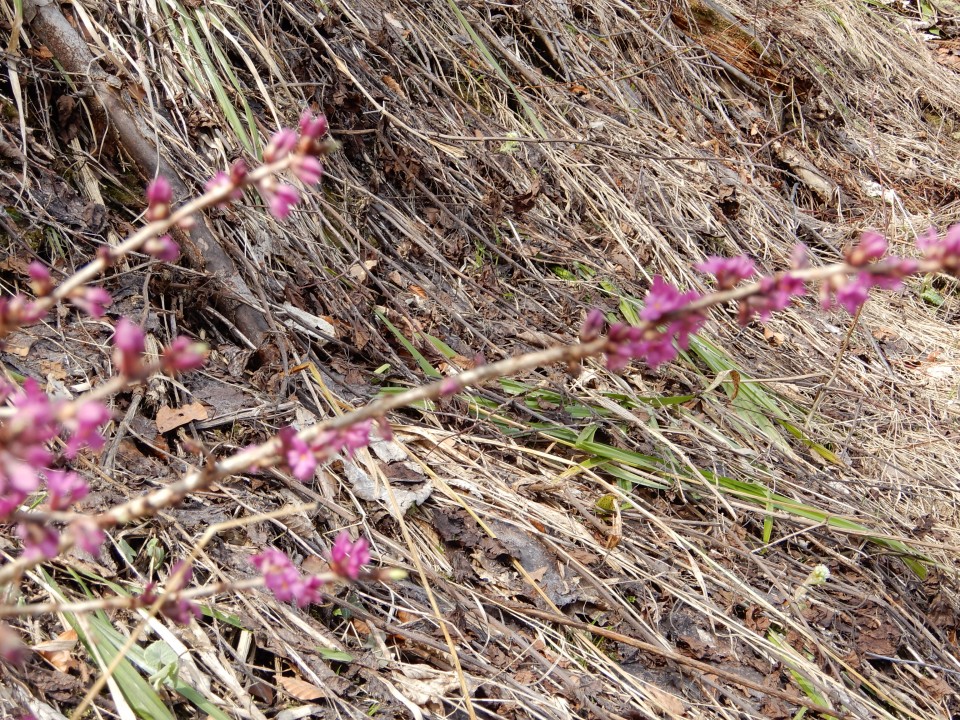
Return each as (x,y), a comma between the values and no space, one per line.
(347,560)
(129,347)
(667,319)
(31,422)
(300,152)
(303,457)
(671,317)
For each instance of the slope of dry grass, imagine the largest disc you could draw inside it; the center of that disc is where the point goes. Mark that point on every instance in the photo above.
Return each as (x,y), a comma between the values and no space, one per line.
(606,546)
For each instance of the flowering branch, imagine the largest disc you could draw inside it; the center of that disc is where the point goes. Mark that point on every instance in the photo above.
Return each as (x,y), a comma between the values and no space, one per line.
(680,314)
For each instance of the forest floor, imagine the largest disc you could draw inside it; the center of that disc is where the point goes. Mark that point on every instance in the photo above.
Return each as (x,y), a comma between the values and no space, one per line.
(634,545)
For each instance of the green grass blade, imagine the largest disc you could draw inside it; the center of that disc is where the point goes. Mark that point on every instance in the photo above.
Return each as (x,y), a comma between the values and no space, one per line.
(498,71)
(756,407)
(226,66)
(209,71)
(429,370)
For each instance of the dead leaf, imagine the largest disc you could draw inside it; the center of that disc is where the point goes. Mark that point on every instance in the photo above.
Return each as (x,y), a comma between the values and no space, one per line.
(300,689)
(59,652)
(53,369)
(393,85)
(368,488)
(522,202)
(169,418)
(671,704)
(773,338)
(41,53)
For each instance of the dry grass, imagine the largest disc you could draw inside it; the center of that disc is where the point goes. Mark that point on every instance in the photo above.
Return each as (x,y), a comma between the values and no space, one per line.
(605,546)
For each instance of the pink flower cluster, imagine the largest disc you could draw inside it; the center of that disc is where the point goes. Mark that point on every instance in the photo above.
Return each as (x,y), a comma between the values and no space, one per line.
(129,345)
(852,292)
(347,560)
(945,251)
(26,461)
(302,457)
(302,149)
(17,311)
(668,321)
(36,420)
(663,308)
(159,201)
(25,457)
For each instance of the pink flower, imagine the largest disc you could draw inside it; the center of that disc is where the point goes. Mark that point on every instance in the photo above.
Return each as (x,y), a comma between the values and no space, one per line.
(656,351)
(663,299)
(129,344)
(18,311)
(88,536)
(852,293)
(799,257)
(279,574)
(313,127)
(22,478)
(592,325)
(92,300)
(301,460)
(776,293)
(281,200)
(728,271)
(65,488)
(684,327)
(232,181)
(183,355)
(450,386)
(872,247)
(347,440)
(280,145)
(35,420)
(181,611)
(356,436)
(945,251)
(238,172)
(40,281)
(218,181)
(308,169)
(159,191)
(298,455)
(10,500)
(162,248)
(623,345)
(348,558)
(85,427)
(40,542)
(627,342)
(159,196)
(307,591)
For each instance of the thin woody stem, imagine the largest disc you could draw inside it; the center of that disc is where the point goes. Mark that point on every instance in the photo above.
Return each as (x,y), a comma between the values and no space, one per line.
(196,593)
(96,267)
